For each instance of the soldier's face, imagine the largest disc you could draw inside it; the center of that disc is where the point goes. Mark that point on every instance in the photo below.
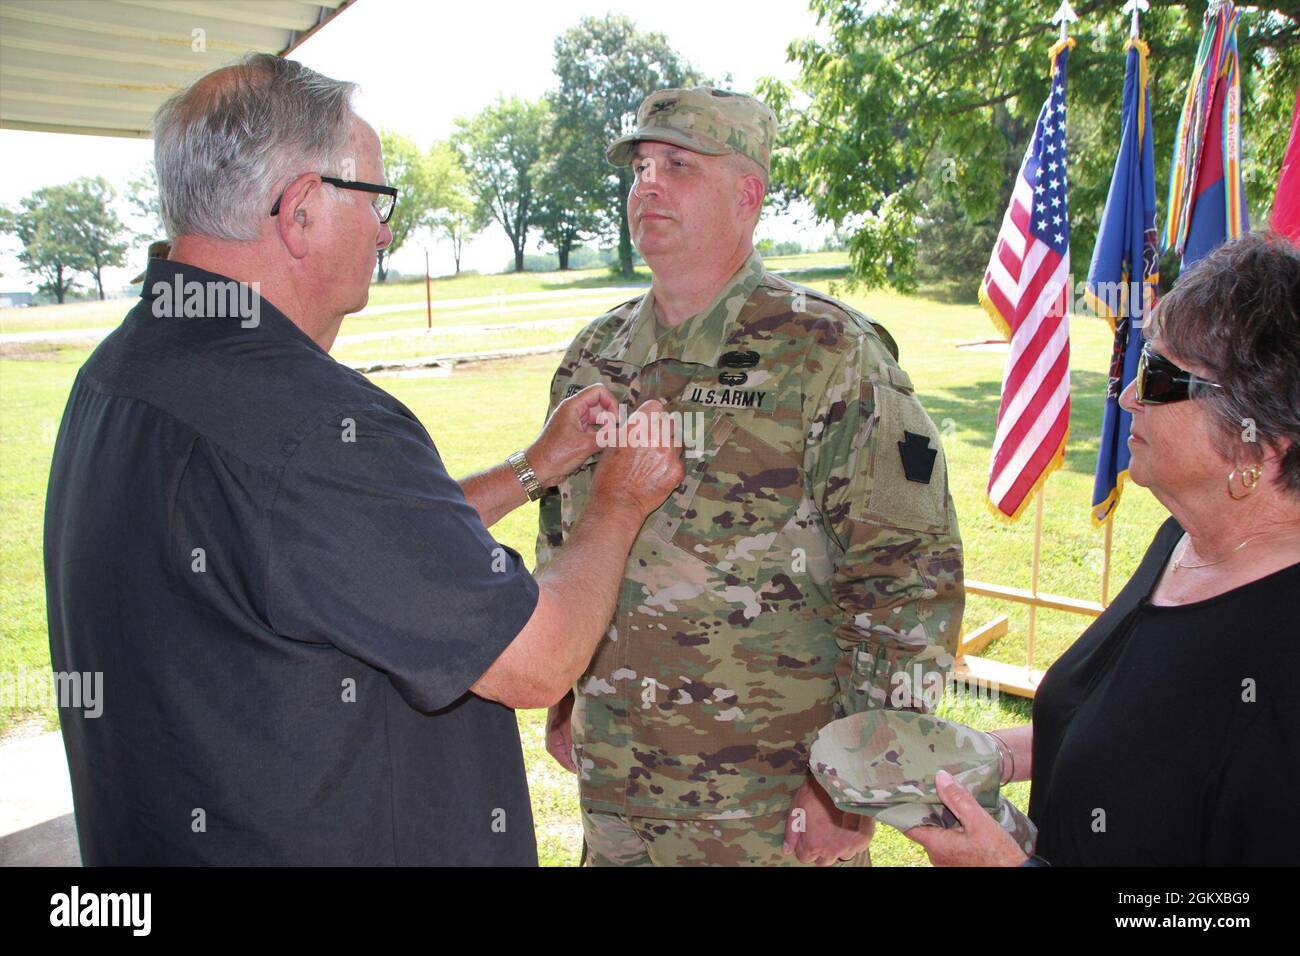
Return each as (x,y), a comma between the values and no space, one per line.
(684,205)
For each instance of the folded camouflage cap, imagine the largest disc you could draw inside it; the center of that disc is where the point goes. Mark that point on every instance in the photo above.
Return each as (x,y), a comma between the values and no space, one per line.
(703,120)
(881,763)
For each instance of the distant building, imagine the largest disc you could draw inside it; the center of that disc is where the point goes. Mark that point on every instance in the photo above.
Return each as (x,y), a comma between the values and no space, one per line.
(15,300)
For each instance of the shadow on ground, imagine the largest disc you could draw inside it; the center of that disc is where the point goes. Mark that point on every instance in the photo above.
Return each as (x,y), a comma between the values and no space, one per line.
(52,843)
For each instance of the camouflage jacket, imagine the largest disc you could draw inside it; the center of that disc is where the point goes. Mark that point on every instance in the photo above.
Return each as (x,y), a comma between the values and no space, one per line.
(808,567)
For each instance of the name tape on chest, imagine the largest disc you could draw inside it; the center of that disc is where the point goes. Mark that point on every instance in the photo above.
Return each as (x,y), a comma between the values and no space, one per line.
(712,397)
(727,397)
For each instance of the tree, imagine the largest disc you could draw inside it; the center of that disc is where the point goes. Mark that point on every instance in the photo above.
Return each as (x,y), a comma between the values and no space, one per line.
(51,248)
(423,181)
(98,230)
(606,68)
(501,147)
(568,207)
(142,196)
(459,218)
(457,225)
(900,95)
(68,229)
(8,224)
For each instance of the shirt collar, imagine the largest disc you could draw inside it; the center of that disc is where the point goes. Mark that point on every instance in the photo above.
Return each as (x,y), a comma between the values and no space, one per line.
(700,338)
(168,271)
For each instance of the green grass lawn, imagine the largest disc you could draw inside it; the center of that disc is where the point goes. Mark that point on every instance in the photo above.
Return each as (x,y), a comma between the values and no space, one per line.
(960,388)
(101,315)
(425,345)
(473,285)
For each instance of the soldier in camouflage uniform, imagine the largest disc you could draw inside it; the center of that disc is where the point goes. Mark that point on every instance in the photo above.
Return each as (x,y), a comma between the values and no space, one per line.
(808,567)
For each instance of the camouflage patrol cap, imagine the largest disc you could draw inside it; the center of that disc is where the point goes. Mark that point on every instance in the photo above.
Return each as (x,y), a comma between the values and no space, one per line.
(704,120)
(881,763)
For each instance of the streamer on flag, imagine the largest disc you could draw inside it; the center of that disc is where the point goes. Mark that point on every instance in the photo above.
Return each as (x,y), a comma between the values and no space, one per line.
(1125,272)
(1206,201)
(1026,292)
(1286,204)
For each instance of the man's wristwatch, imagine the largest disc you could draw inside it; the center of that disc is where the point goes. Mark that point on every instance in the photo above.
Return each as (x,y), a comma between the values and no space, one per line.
(527,477)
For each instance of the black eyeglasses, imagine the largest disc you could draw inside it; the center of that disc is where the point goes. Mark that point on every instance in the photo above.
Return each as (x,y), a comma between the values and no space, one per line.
(384,203)
(1160,381)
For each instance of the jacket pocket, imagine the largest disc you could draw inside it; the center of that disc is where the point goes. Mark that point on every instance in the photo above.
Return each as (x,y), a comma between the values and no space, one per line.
(736,498)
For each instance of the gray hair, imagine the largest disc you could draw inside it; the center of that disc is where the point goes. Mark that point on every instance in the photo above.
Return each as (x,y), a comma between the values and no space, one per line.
(227,145)
(1237,312)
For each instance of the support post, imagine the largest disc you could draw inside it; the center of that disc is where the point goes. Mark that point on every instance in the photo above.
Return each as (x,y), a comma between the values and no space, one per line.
(1033,579)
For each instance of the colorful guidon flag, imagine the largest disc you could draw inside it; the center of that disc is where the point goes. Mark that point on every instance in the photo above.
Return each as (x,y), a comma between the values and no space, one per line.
(1206,202)
(1125,272)
(1026,292)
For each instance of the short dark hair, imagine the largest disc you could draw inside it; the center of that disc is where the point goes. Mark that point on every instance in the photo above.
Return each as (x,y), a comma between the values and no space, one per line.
(1237,312)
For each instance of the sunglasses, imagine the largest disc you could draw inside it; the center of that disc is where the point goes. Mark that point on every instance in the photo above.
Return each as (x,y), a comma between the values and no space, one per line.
(1160,381)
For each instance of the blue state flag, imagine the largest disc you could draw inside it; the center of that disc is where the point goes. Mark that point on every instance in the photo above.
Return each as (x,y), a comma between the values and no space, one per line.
(1124,273)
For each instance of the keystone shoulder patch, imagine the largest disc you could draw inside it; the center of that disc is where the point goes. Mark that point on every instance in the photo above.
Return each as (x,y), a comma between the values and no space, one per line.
(918,457)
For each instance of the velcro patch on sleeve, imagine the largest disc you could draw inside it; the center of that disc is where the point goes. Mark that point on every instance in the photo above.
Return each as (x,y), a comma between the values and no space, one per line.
(902,478)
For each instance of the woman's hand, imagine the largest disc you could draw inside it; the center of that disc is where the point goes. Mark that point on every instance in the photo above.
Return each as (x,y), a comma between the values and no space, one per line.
(979,841)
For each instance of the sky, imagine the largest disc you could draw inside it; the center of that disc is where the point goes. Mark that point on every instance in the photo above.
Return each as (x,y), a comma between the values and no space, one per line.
(422,64)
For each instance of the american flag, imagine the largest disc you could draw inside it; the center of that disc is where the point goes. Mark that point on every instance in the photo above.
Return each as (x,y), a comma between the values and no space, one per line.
(1026,292)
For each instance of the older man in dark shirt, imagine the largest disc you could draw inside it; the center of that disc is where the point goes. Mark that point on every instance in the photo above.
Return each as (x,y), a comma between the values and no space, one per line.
(308,642)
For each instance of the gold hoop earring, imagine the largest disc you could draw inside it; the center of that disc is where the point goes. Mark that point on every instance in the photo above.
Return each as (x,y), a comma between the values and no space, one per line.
(1249,481)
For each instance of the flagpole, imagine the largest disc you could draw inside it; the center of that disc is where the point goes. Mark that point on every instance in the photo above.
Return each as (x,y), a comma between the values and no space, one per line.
(1033,579)
(1065,15)
(1105,561)
(1136,7)
(1033,243)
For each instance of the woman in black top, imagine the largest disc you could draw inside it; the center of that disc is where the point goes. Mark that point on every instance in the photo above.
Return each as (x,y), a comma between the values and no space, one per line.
(1169,733)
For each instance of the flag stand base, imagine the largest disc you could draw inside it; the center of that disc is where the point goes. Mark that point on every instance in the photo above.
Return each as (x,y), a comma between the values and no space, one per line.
(981,672)
(1019,679)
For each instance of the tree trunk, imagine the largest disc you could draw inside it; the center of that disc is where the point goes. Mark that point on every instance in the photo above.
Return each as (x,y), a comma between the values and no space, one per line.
(99,284)
(383,268)
(563,251)
(60,290)
(519,256)
(455,253)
